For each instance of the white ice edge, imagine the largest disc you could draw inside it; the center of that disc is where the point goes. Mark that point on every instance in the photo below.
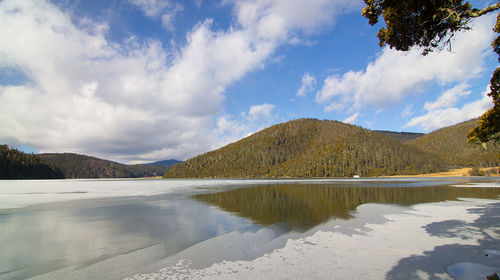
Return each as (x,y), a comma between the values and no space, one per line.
(495,184)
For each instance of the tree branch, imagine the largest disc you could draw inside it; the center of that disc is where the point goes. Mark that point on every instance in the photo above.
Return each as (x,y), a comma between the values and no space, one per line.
(478,13)
(450,14)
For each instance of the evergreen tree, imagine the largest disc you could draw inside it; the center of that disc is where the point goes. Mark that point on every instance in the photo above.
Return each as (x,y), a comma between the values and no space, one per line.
(18,165)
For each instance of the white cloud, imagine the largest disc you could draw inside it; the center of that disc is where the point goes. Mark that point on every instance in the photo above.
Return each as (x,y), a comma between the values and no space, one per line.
(407,111)
(136,100)
(286,19)
(338,107)
(449,97)
(259,112)
(351,119)
(308,84)
(296,41)
(394,75)
(165,10)
(445,115)
(151,8)
(198,3)
(258,117)
(168,16)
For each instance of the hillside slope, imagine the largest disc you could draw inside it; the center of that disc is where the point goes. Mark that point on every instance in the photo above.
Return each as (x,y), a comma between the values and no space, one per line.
(309,148)
(82,166)
(450,144)
(15,164)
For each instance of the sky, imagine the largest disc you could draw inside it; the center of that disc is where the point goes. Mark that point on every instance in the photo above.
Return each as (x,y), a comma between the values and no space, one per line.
(137,81)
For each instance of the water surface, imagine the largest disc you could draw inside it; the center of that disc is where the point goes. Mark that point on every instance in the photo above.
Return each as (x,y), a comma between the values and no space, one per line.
(71,234)
(306,205)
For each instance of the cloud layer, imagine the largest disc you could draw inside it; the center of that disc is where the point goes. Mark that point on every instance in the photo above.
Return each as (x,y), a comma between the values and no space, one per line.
(164,10)
(307,86)
(394,75)
(442,112)
(134,100)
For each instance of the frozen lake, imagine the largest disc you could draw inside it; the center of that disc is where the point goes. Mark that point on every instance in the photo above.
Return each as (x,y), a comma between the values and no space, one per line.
(158,229)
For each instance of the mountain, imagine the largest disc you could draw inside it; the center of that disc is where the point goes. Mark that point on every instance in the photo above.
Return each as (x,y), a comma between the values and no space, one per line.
(309,148)
(82,166)
(450,144)
(18,165)
(167,162)
(400,136)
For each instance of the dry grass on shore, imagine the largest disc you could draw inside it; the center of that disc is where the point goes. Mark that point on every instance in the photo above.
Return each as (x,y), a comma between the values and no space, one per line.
(461,172)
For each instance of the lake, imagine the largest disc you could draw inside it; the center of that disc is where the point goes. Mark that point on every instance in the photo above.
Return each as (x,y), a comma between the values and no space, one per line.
(156,229)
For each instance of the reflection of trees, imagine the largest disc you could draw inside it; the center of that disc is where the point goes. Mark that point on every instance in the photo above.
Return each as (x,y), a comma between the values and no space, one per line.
(305,206)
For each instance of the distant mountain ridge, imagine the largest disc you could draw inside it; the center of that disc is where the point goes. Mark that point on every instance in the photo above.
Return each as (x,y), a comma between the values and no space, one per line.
(400,136)
(167,162)
(82,166)
(309,148)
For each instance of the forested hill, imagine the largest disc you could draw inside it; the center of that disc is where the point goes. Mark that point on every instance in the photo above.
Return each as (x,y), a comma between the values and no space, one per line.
(450,144)
(18,165)
(82,166)
(309,148)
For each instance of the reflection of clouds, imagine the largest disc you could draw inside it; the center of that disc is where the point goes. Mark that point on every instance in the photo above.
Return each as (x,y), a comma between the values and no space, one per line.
(42,241)
(36,240)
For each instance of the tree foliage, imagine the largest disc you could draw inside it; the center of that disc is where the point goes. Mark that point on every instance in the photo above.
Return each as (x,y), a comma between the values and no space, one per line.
(309,148)
(431,24)
(417,23)
(18,165)
(489,124)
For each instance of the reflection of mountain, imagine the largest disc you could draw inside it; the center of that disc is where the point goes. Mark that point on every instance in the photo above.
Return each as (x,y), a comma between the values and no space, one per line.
(305,206)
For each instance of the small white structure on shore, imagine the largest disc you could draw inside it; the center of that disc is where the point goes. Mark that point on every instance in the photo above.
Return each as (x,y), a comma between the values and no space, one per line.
(356,177)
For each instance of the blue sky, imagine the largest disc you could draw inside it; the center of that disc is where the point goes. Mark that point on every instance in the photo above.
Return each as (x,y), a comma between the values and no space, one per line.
(143,80)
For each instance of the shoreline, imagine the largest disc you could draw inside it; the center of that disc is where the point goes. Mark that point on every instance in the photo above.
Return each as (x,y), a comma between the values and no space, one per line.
(458,172)
(451,173)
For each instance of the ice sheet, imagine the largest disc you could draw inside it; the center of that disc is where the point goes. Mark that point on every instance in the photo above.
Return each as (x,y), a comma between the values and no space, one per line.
(22,193)
(382,242)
